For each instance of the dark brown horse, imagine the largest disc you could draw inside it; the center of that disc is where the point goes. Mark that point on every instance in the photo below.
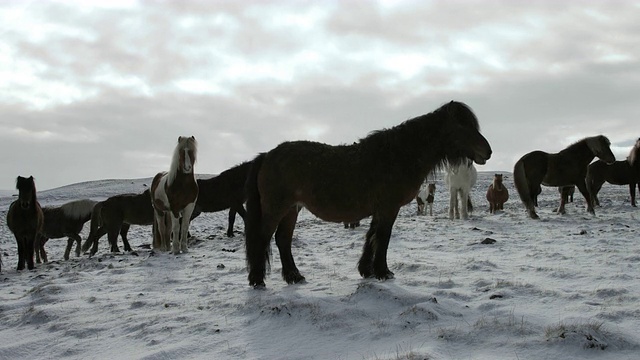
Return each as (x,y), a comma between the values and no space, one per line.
(25,219)
(497,194)
(374,177)
(568,167)
(173,196)
(626,172)
(225,191)
(114,216)
(64,221)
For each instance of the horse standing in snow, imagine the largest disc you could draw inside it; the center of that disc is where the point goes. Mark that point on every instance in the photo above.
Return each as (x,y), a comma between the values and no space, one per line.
(25,219)
(460,178)
(619,173)
(497,194)
(174,196)
(225,191)
(425,199)
(114,216)
(64,221)
(385,169)
(568,167)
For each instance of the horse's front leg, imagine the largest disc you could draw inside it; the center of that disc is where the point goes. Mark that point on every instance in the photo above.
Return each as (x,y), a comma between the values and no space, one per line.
(380,243)
(583,190)
(29,247)
(184,226)
(365,264)
(284,234)
(124,229)
(464,203)
(453,202)
(78,241)
(175,233)
(20,240)
(632,192)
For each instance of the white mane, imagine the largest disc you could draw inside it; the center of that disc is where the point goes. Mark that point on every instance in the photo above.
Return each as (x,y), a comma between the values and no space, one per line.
(184,144)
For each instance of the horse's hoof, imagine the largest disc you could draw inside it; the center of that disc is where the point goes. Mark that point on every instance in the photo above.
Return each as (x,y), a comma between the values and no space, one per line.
(260,286)
(294,278)
(387,276)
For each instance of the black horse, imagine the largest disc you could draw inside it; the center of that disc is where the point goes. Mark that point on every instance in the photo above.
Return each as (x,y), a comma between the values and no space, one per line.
(625,172)
(225,191)
(25,219)
(64,221)
(373,177)
(568,167)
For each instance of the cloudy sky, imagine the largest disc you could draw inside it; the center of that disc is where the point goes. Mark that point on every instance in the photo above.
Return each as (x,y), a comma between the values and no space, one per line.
(102,89)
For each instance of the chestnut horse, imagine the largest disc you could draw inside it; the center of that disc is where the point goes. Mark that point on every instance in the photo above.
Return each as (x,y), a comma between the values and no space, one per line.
(497,194)
(174,196)
(568,167)
(114,216)
(375,177)
(66,220)
(619,173)
(25,220)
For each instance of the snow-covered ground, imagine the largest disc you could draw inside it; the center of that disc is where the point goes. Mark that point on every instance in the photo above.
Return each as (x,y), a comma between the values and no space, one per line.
(564,287)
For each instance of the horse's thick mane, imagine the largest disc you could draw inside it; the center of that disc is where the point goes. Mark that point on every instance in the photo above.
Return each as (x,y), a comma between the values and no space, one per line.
(595,143)
(78,209)
(419,128)
(184,142)
(634,154)
(29,183)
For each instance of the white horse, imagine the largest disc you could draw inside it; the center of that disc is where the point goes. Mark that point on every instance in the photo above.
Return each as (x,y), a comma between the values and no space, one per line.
(174,196)
(460,178)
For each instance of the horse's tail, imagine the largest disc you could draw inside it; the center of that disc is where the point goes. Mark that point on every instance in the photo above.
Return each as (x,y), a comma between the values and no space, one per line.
(522,185)
(253,218)
(96,222)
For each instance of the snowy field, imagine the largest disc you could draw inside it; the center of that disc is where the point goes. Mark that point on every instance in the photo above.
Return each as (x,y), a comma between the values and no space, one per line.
(564,287)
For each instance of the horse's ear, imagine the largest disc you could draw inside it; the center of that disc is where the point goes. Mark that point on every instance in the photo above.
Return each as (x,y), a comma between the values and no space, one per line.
(193,137)
(31,177)
(179,138)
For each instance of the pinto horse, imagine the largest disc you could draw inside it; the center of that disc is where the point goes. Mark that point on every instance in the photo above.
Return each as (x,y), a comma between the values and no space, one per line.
(225,191)
(174,196)
(383,171)
(460,178)
(64,221)
(425,199)
(497,194)
(625,172)
(568,167)
(114,216)
(25,220)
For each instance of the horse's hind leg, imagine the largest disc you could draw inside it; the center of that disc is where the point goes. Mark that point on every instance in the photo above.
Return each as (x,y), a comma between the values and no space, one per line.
(284,235)
(632,193)
(67,250)
(464,204)
(93,240)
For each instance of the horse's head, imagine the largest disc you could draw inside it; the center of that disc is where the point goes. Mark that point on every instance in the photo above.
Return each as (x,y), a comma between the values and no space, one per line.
(186,153)
(601,148)
(26,191)
(465,134)
(634,154)
(497,181)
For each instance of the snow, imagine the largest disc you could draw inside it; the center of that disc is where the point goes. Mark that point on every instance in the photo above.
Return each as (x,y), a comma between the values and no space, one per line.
(563,287)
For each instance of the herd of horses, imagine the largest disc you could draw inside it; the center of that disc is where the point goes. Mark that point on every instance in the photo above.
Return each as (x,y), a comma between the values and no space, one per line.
(386,170)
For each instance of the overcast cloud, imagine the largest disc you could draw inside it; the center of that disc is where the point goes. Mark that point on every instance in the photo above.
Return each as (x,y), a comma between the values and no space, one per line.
(102,89)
